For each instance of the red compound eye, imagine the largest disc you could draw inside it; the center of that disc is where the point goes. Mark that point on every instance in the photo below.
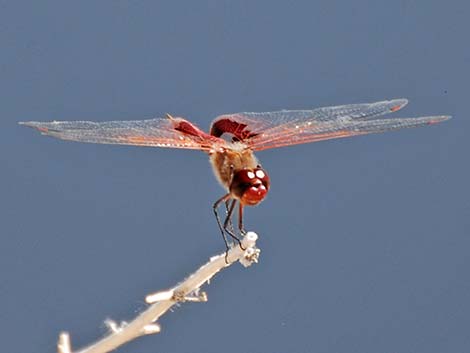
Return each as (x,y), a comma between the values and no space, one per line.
(250,186)
(254,194)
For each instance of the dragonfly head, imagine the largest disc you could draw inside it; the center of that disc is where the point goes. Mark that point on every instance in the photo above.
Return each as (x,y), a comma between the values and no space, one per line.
(250,186)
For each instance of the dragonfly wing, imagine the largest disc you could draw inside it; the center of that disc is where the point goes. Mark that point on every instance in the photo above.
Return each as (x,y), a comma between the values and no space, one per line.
(248,125)
(151,132)
(261,131)
(313,131)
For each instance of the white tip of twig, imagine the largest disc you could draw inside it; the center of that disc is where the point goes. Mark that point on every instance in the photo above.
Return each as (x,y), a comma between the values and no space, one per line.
(159,296)
(63,345)
(199,298)
(249,240)
(113,326)
(245,252)
(203,297)
(251,236)
(250,256)
(151,329)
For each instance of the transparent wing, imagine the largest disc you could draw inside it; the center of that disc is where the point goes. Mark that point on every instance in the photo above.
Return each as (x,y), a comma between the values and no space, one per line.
(152,132)
(305,132)
(284,128)
(252,124)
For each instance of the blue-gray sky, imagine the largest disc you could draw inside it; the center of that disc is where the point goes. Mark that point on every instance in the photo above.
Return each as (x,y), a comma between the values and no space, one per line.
(365,241)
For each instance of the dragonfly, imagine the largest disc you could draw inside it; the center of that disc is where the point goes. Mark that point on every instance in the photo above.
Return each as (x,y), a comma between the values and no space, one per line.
(233,138)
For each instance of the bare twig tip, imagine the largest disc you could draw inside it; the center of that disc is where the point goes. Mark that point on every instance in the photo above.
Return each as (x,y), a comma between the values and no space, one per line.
(159,296)
(198,298)
(250,256)
(63,345)
(113,326)
(151,329)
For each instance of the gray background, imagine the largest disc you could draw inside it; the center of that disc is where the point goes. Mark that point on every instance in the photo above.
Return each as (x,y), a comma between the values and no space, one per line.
(365,241)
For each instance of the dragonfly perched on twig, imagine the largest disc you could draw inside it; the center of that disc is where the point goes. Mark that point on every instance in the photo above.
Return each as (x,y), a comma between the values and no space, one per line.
(233,161)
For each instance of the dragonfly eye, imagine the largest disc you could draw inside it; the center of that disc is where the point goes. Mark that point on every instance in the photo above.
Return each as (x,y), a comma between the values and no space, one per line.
(250,186)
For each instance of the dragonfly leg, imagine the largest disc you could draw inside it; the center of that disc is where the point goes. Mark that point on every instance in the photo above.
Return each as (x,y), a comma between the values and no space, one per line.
(219,222)
(223,227)
(240,224)
(240,220)
(228,204)
(228,222)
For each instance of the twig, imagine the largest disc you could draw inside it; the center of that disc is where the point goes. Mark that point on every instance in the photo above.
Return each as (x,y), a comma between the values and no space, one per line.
(188,290)
(64,346)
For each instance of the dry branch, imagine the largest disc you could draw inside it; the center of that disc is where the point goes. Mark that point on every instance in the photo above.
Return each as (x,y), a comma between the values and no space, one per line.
(160,302)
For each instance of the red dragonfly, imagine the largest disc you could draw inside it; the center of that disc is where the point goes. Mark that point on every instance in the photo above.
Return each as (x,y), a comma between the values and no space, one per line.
(233,161)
